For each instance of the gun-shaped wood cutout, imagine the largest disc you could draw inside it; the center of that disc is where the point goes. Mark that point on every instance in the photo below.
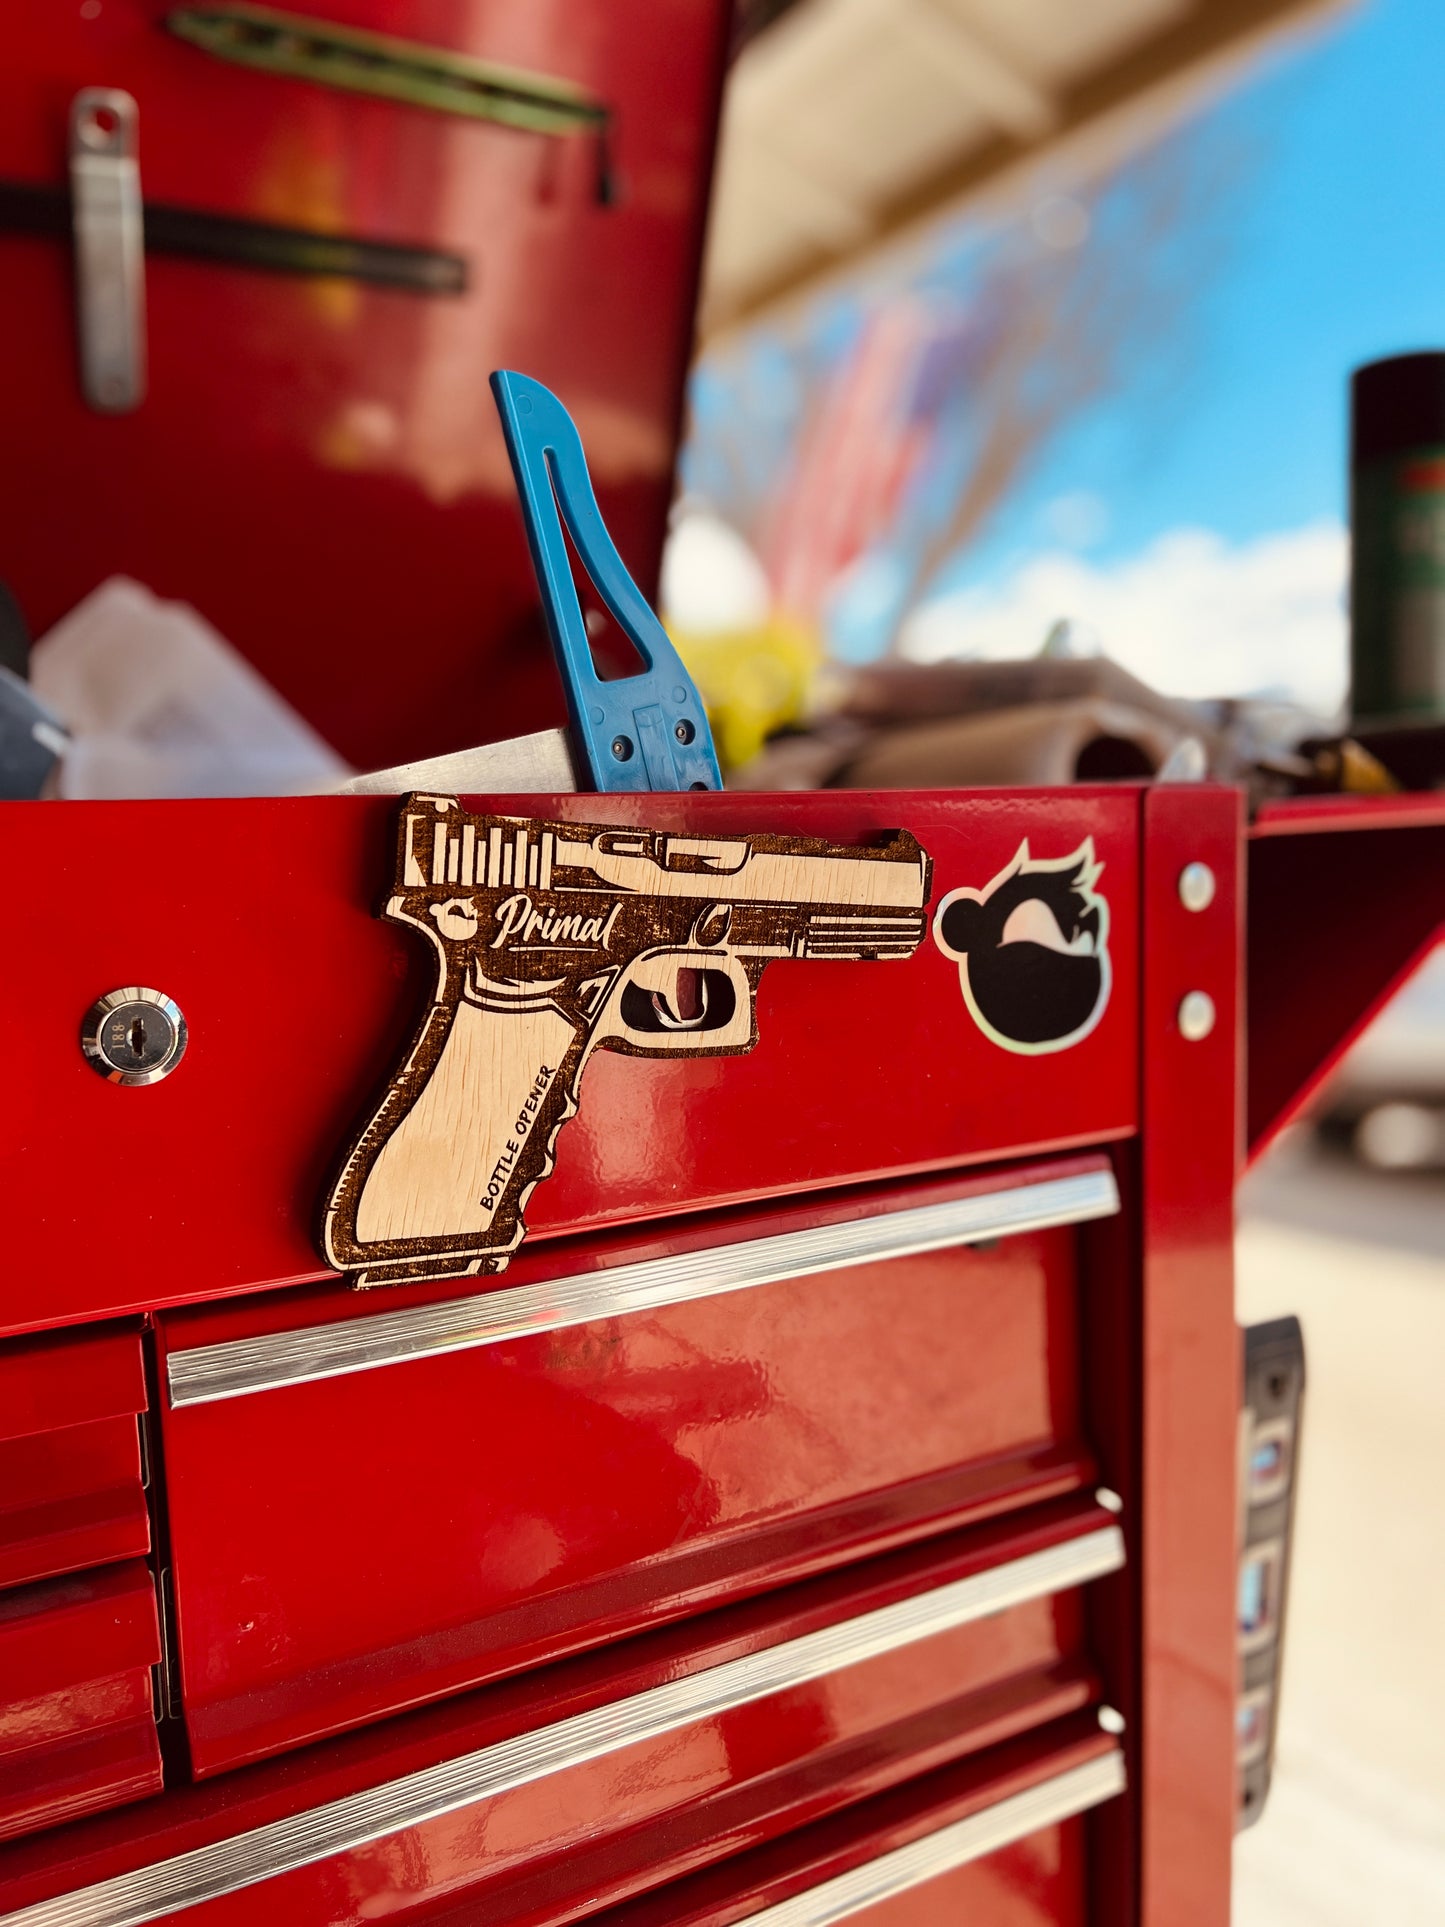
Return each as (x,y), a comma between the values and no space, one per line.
(553,940)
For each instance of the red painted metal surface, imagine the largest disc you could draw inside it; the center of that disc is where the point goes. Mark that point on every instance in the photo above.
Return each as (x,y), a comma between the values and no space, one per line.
(77,1732)
(1040,1879)
(553,1492)
(736,1779)
(1319,815)
(318,466)
(71,1499)
(766,1864)
(69,1379)
(1346,895)
(864,1070)
(70,1467)
(1183,1741)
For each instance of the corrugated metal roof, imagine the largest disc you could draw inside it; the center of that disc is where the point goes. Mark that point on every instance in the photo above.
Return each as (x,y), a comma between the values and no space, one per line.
(850,125)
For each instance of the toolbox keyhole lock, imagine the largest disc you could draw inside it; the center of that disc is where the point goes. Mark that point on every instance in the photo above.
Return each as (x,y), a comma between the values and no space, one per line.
(134,1035)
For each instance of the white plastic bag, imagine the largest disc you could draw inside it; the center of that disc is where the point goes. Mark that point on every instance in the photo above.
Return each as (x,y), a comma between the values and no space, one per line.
(158,704)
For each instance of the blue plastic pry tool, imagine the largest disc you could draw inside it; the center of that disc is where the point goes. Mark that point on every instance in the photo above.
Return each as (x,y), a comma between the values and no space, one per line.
(642,732)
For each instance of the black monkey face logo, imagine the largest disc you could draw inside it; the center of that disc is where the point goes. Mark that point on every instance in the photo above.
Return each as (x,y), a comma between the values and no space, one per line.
(1032,950)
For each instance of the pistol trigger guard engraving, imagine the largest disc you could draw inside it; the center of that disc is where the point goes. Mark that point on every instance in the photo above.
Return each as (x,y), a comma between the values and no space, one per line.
(553,940)
(648,1020)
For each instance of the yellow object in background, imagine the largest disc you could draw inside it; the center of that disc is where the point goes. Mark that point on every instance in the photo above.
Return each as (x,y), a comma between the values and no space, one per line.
(753,681)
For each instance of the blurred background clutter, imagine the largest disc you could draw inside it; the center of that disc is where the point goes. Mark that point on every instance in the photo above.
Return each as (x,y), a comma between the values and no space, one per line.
(1030,328)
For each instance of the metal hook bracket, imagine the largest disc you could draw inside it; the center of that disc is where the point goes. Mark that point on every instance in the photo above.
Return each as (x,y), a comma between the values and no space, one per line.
(109,248)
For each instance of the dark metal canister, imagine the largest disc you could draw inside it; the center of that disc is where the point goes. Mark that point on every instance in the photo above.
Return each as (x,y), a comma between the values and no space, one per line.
(1397,517)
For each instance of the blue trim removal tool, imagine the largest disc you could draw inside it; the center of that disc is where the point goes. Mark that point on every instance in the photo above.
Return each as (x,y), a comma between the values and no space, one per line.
(642,732)
(648,731)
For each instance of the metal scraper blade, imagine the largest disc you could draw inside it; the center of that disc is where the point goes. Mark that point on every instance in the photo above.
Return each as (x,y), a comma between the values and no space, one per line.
(523,765)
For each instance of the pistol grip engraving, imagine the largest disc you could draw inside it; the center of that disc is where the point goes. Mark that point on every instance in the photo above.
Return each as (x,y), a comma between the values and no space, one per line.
(447,1162)
(437,1183)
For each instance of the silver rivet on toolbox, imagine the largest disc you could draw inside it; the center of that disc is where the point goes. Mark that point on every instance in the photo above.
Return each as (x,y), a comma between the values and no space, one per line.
(1196,886)
(1196,1016)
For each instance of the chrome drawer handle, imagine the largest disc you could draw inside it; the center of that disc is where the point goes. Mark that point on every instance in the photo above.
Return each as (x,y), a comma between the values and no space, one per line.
(340,1826)
(244,1365)
(1044,1805)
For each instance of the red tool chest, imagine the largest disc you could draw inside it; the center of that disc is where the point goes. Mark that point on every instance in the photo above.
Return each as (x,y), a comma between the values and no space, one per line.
(79,1628)
(795,1499)
(830,1507)
(259,918)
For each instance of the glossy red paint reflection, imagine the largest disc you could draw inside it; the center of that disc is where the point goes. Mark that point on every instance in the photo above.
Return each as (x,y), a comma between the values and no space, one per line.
(70,1463)
(76,1727)
(791,1757)
(1040,1878)
(552,1492)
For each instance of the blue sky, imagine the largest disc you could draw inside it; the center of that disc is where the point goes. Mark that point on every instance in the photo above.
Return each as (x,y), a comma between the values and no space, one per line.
(1336,255)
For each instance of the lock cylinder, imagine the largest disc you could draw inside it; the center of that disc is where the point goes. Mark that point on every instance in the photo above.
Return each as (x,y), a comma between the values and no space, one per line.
(134,1036)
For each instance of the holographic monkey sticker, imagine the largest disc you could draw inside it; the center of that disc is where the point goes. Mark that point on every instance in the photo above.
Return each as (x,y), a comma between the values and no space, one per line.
(1032,950)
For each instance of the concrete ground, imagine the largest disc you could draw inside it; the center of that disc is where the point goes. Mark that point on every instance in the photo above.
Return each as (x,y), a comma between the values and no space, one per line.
(1354,1830)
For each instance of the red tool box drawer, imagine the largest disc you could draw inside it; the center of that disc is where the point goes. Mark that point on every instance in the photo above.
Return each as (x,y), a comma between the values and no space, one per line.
(693,1740)
(71,1479)
(77,1730)
(999,1838)
(508,1476)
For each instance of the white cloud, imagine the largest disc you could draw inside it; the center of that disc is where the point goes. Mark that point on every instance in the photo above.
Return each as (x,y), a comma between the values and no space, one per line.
(1191,615)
